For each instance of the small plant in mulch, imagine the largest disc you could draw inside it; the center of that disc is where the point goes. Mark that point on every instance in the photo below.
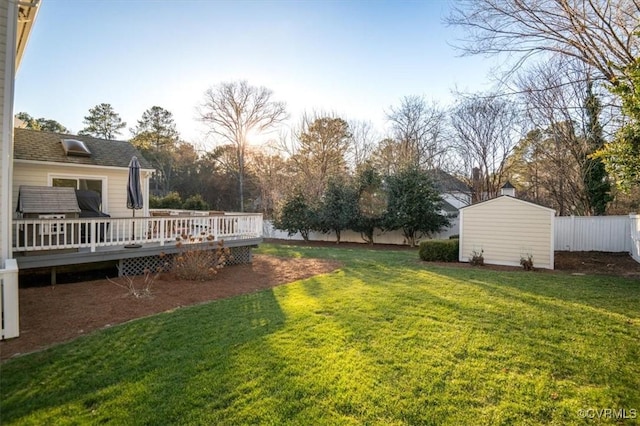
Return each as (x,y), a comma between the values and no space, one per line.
(200,258)
(143,290)
(477,258)
(527,262)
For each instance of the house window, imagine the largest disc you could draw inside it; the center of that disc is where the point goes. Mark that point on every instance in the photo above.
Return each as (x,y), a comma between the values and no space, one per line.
(97,184)
(77,183)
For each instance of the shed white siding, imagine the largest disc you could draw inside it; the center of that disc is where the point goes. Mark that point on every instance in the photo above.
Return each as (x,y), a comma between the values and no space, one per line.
(114,183)
(507,229)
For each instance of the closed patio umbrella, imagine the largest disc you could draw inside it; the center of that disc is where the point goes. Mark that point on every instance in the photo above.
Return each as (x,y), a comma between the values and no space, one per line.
(134,192)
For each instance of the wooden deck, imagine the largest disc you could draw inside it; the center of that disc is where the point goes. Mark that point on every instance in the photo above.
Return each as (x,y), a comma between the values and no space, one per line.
(53,258)
(135,243)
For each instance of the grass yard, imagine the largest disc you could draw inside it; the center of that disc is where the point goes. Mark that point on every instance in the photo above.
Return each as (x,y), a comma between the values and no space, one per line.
(384,340)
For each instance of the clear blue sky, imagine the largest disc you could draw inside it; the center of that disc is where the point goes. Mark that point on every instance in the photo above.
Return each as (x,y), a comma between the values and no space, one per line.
(356,58)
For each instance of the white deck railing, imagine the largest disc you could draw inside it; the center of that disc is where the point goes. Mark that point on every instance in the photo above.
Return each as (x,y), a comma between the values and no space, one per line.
(31,235)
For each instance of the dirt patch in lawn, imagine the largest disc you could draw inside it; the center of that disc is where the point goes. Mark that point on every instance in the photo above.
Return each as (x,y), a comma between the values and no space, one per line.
(578,263)
(54,314)
(597,262)
(587,262)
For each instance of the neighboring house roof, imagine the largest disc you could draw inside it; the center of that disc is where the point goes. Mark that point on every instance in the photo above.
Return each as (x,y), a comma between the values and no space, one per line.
(447,183)
(448,207)
(47,199)
(46,146)
(506,198)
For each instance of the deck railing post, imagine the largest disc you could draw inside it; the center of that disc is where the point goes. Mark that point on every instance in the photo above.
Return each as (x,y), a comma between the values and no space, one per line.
(93,230)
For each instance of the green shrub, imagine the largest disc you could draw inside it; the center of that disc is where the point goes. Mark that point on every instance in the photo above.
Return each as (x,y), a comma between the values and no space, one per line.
(195,202)
(439,250)
(155,202)
(171,201)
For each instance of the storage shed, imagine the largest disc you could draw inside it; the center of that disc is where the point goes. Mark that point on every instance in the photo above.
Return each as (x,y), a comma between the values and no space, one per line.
(506,229)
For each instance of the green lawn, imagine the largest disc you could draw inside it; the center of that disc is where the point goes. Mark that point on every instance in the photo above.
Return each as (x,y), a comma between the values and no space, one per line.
(384,340)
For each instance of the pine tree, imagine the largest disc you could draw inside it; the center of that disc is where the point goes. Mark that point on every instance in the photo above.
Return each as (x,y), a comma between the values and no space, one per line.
(102,122)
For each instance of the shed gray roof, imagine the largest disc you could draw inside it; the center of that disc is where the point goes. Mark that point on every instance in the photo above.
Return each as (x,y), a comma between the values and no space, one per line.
(46,146)
(47,199)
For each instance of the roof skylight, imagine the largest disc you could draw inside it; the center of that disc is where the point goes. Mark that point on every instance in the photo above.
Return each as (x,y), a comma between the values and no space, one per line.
(76,148)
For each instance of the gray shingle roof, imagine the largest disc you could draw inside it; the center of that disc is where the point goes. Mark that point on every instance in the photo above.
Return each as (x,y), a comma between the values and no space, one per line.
(447,183)
(46,146)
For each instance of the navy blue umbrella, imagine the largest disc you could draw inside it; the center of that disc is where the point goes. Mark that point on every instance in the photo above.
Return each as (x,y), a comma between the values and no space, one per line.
(134,190)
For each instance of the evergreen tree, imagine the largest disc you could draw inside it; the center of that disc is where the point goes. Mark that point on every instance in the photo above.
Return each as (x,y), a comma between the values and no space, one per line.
(41,124)
(338,208)
(102,122)
(414,205)
(157,138)
(371,203)
(297,215)
(597,185)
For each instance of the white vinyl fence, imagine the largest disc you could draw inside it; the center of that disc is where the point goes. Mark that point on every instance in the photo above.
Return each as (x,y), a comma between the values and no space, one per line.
(635,236)
(9,312)
(379,237)
(593,233)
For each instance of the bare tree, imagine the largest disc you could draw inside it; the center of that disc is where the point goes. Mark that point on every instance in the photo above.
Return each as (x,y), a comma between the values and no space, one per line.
(317,151)
(484,133)
(363,140)
(553,95)
(233,111)
(601,33)
(417,129)
(273,179)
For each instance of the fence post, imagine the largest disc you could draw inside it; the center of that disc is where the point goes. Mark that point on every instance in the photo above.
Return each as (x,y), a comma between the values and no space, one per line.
(9,300)
(573,233)
(634,234)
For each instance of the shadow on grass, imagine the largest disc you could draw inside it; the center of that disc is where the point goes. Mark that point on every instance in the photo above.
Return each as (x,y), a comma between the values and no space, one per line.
(143,370)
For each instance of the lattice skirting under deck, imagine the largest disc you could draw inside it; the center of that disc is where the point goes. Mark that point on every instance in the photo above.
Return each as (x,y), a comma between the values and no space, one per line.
(137,265)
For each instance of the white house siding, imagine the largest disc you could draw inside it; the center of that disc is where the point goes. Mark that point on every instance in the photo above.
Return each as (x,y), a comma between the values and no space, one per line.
(507,229)
(115,187)
(6,85)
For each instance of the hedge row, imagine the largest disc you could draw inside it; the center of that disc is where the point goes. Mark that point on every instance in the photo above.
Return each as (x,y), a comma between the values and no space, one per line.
(439,250)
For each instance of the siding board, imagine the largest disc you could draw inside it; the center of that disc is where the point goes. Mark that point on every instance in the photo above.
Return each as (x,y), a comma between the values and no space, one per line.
(116,183)
(507,229)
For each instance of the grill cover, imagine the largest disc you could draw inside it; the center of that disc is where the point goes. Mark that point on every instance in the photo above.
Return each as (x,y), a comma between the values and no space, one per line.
(46,199)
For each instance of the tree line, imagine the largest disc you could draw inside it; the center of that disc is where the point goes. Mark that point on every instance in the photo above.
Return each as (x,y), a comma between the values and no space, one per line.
(564,129)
